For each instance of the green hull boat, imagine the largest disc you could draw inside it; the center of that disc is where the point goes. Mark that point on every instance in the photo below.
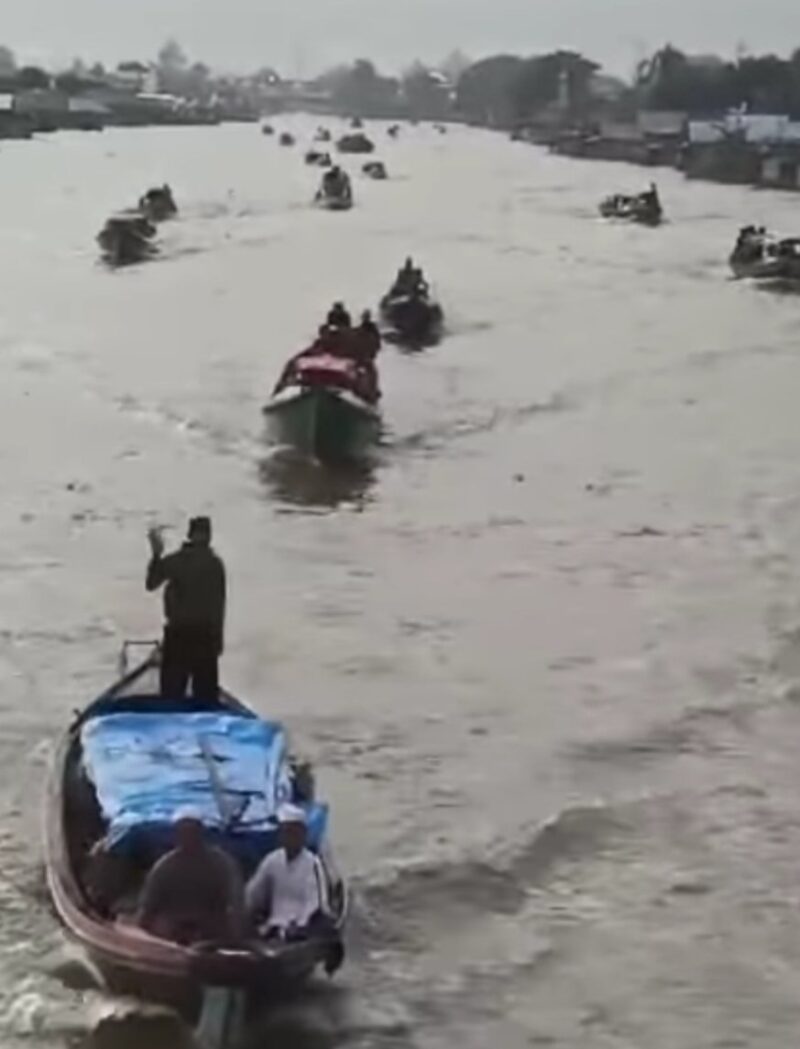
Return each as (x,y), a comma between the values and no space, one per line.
(323,423)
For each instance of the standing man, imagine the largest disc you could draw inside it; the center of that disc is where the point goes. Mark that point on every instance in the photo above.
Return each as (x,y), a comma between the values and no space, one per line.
(194,610)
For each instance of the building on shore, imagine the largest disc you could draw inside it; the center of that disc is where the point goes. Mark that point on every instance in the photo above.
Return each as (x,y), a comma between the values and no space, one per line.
(738,147)
(780,167)
(651,138)
(12,123)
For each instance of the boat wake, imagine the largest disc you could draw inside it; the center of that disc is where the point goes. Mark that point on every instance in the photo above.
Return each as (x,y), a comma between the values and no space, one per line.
(407,899)
(432,438)
(304,484)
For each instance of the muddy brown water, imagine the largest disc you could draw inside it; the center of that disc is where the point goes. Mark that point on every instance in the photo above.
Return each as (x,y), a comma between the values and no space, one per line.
(544,650)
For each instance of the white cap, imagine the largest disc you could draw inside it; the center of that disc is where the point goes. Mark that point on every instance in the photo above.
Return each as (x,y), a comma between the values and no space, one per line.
(291,814)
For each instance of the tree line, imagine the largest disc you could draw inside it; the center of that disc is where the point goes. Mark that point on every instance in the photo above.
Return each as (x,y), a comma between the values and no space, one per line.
(173,72)
(500,89)
(505,89)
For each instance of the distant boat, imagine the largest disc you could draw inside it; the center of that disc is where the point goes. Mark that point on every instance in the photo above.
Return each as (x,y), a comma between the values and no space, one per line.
(127,239)
(158,204)
(336,191)
(760,256)
(357,143)
(375,169)
(315,158)
(410,320)
(645,208)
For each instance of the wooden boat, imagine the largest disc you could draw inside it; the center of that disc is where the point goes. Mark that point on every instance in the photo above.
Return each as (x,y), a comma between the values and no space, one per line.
(78,831)
(319,413)
(760,256)
(375,169)
(336,191)
(412,320)
(644,209)
(286,139)
(318,159)
(355,143)
(127,239)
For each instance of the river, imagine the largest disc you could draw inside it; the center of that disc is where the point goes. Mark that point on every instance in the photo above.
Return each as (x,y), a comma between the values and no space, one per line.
(544,652)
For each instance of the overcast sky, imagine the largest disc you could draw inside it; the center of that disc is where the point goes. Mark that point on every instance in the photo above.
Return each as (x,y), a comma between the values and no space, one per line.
(302,36)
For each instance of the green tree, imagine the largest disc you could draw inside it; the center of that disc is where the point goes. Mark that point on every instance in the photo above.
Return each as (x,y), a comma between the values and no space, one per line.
(563,77)
(484,91)
(765,84)
(31,78)
(8,63)
(171,67)
(360,89)
(675,81)
(425,93)
(71,83)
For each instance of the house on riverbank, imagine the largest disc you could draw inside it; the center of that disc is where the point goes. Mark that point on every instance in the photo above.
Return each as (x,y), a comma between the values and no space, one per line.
(13,124)
(652,138)
(749,149)
(780,169)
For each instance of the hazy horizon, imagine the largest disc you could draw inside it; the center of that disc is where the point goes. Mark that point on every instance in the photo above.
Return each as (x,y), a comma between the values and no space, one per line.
(302,37)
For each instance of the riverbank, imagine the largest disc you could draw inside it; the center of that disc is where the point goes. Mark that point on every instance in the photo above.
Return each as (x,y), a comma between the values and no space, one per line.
(769,165)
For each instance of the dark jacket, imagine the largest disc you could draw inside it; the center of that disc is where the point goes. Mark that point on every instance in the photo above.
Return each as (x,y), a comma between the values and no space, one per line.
(195,593)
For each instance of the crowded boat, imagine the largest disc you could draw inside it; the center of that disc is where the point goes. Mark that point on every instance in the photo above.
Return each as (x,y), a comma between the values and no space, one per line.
(644,208)
(760,255)
(325,403)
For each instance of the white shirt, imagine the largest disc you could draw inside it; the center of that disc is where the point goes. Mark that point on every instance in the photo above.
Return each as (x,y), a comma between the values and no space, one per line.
(294,890)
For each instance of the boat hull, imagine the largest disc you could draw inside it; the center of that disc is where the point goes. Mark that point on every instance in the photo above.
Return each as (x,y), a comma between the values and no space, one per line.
(632,211)
(414,324)
(766,269)
(761,269)
(322,423)
(335,203)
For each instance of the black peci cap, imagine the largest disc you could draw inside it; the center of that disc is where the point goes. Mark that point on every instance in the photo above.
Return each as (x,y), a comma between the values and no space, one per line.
(200,526)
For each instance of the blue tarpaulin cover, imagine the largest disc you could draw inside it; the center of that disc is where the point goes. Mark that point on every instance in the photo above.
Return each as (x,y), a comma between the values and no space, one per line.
(148,768)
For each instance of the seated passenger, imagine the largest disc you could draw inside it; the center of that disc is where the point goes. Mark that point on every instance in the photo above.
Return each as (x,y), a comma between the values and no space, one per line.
(195,892)
(338,316)
(404,281)
(369,338)
(288,893)
(335,181)
(419,287)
